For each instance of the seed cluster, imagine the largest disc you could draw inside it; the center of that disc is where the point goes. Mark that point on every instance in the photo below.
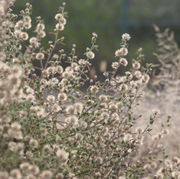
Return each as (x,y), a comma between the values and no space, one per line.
(51,128)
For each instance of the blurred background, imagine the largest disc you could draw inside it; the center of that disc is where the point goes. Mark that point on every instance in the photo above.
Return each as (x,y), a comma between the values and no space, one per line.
(109,19)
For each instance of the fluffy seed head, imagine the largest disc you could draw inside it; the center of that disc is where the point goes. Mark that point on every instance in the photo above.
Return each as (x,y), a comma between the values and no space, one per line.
(123,62)
(123,87)
(70,109)
(90,55)
(62,97)
(58,16)
(33,143)
(79,107)
(46,174)
(62,155)
(126,37)
(145,78)
(138,74)
(115,65)
(72,120)
(136,65)
(121,52)
(40,56)
(24,36)
(103,98)
(15,173)
(59,27)
(94,89)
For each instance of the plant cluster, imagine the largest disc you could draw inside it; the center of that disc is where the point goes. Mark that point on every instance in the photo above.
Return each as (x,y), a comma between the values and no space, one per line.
(168,56)
(51,128)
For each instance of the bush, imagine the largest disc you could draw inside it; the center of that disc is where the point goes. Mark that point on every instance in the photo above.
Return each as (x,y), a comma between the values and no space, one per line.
(51,128)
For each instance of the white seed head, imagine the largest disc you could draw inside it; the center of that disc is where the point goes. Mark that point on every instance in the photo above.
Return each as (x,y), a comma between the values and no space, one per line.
(70,109)
(51,98)
(103,98)
(33,143)
(136,65)
(138,74)
(16,126)
(24,36)
(79,107)
(90,55)
(40,56)
(34,42)
(123,87)
(62,21)
(46,174)
(58,16)
(41,34)
(40,27)
(115,65)
(62,155)
(123,62)
(59,27)
(126,37)
(15,173)
(94,89)
(72,120)
(145,78)
(121,52)
(62,97)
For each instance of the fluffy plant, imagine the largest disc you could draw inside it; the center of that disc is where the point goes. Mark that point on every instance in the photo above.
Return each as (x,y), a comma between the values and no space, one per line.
(168,57)
(51,128)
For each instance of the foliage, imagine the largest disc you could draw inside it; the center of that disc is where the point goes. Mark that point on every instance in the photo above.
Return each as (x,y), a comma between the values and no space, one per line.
(50,128)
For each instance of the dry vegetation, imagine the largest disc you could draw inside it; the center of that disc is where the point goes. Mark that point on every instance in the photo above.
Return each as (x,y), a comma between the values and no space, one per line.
(50,128)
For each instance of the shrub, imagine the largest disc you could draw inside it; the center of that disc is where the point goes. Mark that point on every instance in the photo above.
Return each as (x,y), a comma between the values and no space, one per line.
(51,128)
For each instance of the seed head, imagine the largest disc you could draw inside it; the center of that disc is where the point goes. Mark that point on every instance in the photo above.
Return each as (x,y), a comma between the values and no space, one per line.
(90,55)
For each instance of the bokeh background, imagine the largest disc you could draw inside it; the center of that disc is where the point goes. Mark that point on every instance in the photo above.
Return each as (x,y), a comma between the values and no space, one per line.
(109,19)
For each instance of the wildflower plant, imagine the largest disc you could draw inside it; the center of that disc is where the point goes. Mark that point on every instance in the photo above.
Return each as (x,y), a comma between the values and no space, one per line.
(168,57)
(51,128)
